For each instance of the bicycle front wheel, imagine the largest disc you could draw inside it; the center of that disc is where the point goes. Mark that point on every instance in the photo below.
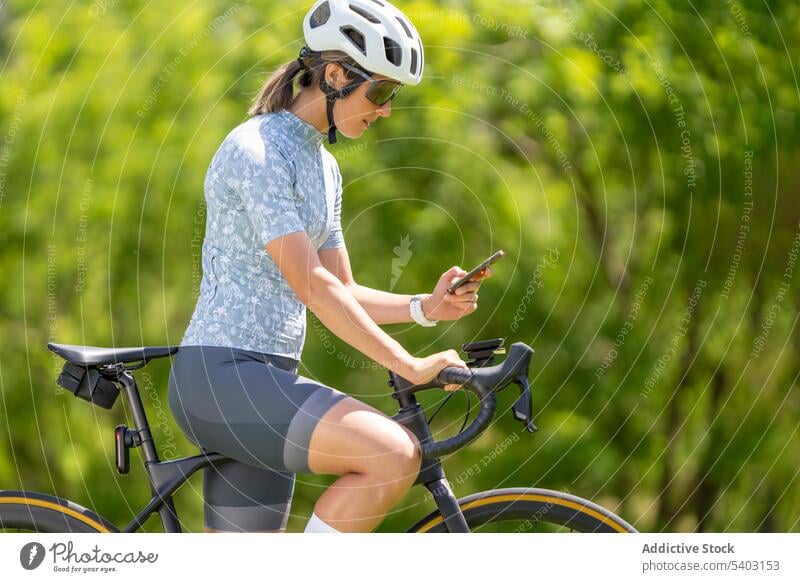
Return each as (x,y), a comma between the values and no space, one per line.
(26,511)
(525,510)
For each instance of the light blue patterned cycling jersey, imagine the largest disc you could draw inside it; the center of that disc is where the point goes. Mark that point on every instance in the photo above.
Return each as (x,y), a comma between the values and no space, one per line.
(271,176)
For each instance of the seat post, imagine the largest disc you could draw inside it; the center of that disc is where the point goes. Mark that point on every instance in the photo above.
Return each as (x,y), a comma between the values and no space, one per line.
(169,517)
(139,416)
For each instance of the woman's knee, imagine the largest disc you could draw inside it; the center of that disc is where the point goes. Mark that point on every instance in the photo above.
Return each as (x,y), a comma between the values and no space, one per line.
(401,463)
(353,437)
(412,458)
(393,458)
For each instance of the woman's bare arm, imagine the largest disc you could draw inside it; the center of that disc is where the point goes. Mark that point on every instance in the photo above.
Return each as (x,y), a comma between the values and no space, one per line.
(383,307)
(326,296)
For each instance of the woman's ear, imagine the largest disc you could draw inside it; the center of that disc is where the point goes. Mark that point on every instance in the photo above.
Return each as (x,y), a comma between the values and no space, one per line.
(334,75)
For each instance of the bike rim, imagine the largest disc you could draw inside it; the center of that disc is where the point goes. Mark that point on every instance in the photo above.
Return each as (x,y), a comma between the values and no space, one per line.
(530,512)
(36,512)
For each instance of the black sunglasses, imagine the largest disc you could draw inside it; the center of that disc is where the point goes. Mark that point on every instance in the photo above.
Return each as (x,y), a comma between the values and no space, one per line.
(380,90)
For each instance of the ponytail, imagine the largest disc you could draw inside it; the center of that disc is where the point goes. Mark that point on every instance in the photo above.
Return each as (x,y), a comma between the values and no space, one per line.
(278,92)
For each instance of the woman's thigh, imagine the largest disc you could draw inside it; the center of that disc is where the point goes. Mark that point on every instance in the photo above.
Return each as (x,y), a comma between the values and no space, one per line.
(353,437)
(247,409)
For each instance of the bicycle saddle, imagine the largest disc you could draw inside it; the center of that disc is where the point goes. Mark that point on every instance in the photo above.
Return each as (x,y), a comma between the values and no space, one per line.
(93,356)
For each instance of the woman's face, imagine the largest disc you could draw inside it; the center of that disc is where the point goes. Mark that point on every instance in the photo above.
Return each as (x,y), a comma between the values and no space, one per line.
(355,113)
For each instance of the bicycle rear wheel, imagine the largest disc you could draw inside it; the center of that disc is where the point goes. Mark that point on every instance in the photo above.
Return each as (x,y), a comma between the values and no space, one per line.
(27,511)
(528,510)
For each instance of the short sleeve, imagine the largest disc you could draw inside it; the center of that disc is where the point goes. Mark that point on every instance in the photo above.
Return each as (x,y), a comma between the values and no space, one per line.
(335,237)
(266,187)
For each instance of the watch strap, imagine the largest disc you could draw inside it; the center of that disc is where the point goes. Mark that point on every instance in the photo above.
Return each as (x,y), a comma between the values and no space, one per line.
(417,314)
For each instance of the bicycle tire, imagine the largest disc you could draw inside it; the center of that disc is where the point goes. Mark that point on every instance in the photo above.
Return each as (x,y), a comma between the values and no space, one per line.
(38,512)
(531,506)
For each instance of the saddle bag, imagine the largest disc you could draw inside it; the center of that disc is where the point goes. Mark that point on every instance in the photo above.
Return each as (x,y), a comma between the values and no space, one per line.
(87,383)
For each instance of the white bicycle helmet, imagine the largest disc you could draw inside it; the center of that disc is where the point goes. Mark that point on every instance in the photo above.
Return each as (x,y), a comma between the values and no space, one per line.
(373,33)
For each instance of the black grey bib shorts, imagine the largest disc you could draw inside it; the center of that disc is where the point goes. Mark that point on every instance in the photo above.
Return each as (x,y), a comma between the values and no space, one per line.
(255,409)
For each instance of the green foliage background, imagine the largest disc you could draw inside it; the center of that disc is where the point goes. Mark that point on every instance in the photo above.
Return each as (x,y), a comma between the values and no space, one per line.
(638,161)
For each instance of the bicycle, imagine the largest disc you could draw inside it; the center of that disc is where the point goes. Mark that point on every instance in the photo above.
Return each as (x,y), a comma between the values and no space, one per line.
(98,375)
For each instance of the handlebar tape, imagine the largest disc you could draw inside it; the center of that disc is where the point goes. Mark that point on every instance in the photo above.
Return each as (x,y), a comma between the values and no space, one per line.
(453,375)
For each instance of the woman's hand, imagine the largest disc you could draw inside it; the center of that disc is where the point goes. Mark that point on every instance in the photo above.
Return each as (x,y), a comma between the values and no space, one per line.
(441,305)
(423,370)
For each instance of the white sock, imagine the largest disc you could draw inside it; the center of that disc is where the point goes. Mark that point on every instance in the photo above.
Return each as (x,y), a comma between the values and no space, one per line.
(316,525)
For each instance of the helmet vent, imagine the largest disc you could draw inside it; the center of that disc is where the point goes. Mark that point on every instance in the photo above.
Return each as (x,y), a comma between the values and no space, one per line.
(364,14)
(413,61)
(394,53)
(320,15)
(405,26)
(355,37)
(379,3)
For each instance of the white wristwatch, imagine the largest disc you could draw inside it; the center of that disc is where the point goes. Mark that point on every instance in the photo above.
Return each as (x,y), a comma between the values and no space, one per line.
(417,314)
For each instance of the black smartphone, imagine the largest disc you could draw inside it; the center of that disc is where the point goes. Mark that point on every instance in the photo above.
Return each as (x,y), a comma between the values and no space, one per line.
(468,277)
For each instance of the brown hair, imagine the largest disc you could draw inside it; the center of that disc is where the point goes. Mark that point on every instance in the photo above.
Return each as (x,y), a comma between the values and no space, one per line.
(278,92)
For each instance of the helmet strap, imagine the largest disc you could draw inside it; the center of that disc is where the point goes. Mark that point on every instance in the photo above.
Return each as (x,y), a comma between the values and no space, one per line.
(331,95)
(331,99)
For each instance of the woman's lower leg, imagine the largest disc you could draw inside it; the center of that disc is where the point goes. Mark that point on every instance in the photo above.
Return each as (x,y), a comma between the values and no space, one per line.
(377,459)
(357,503)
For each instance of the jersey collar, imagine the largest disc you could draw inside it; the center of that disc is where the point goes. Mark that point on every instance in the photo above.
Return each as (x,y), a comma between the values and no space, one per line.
(303,129)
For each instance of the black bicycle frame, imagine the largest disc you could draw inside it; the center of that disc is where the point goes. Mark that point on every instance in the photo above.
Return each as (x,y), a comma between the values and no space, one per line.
(431,473)
(166,477)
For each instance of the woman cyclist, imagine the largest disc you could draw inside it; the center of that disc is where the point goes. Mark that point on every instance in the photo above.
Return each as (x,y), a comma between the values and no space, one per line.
(273,246)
